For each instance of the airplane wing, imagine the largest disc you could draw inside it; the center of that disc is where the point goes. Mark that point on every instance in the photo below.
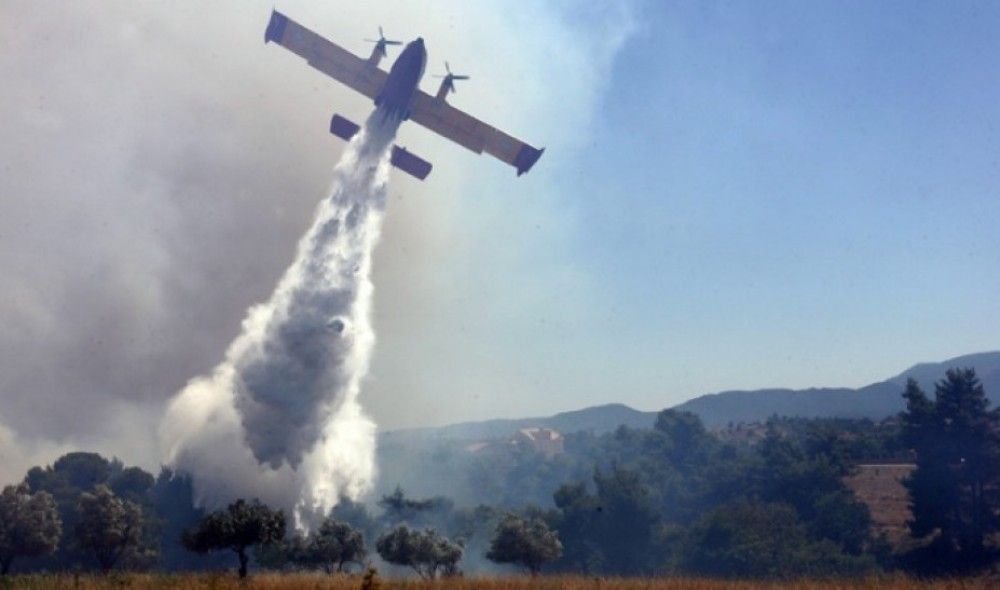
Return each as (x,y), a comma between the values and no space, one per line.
(325,56)
(471,133)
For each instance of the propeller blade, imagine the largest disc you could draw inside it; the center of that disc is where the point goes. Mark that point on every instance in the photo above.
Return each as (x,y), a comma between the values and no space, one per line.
(372,40)
(459,77)
(447,67)
(380,33)
(393,42)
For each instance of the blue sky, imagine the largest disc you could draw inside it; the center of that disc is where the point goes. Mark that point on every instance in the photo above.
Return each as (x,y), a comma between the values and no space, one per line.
(791,193)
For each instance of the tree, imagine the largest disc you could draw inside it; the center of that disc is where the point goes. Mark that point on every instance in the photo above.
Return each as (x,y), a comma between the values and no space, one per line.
(355,514)
(334,545)
(426,552)
(686,444)
(762,540)
(955,488)
(75,473)
(529,543)
(29,524)
(172,500)
(397,508)
(108,526)
(131,483)
(577,520)
(240,526)
(615,531)
(79,470)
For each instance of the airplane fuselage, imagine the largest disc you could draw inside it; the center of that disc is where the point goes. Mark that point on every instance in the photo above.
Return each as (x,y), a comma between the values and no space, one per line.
(396,95)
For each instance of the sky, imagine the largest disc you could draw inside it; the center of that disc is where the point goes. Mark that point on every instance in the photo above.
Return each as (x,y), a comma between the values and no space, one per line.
(733,195)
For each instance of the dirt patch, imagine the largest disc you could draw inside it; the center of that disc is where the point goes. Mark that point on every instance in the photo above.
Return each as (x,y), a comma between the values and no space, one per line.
(880,487)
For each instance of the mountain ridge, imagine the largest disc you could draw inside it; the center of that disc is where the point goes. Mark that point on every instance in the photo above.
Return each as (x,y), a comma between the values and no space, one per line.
(875,401)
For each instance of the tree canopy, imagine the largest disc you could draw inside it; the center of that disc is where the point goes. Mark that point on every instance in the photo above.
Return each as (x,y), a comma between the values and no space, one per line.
(527,542)
(29,524)
(333,546)
(425,552)
(240,526)
(955,488)
(108,526)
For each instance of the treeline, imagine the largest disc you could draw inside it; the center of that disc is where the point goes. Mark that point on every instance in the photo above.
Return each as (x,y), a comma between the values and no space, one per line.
(674,499)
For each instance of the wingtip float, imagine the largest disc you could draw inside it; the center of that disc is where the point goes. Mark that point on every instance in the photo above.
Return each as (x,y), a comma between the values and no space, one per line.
(397,94)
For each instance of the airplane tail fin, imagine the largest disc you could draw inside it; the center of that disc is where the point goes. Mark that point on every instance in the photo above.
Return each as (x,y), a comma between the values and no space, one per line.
(275,27)
(526,158)
(401,158)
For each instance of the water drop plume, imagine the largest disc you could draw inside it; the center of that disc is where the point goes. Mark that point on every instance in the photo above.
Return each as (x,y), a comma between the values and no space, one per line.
(279,419)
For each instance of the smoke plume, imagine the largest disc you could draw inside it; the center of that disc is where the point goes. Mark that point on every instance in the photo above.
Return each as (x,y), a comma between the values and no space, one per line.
(279,418)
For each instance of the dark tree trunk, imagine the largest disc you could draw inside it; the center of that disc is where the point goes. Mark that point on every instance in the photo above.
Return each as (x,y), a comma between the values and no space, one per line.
(243,562)
(106,563)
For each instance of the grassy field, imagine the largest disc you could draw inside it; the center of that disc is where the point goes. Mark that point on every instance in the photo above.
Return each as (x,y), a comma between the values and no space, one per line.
(318,582)
(880,487)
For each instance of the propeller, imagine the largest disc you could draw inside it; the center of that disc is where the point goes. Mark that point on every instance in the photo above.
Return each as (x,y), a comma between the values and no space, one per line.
(449,80)
(381,42)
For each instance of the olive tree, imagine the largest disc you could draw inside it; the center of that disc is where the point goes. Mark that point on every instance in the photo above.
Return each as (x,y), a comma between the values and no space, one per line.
(240,526)
(108,526)
(425,552)
(29,524)
(333,546)
(525,542)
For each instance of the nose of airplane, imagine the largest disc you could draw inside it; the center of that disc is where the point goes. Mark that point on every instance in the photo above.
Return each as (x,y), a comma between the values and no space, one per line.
(419,41)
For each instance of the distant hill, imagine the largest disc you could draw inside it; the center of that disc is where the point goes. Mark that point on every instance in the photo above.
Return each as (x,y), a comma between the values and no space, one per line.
(875,401)
(596,419)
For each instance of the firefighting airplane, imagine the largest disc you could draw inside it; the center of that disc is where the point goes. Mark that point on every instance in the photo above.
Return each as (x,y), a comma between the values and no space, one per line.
(397,95)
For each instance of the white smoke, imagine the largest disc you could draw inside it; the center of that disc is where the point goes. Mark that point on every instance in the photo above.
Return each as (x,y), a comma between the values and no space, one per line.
(279,419)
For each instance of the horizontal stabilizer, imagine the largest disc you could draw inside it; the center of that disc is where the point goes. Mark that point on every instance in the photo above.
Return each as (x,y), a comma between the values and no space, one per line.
(407,162)
(343,128)
(402,159)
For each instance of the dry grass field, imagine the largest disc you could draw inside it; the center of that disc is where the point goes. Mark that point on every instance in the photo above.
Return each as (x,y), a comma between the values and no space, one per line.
(880,487)
(319,582)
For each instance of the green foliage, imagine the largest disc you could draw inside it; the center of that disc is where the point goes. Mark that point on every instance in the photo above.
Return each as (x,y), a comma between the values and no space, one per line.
(109,527)
(355,514)
(172,502)
(82,471)
(955,489)
(525,542)
(331,547)
(29,524)
(396,507)
(577,521)
(70,476)
(761,500)
(662,482)
(617,530)
(762,540)
(240,526)
(425,552)
(131,483)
